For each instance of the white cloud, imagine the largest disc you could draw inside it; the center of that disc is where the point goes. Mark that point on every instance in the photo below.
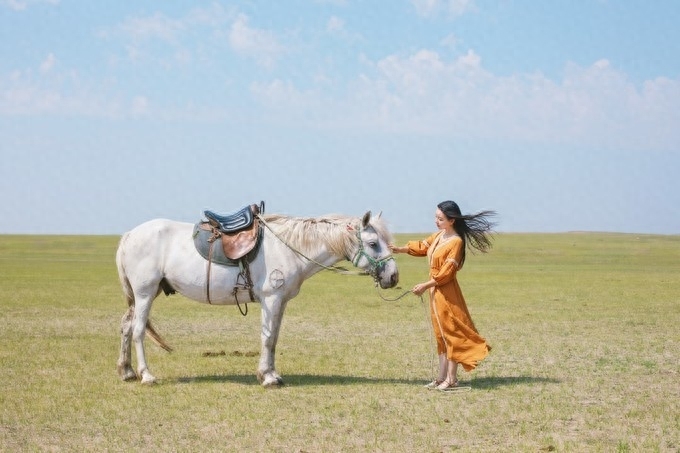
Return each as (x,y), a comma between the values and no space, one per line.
(425,7)
(258,44)
(420,93)
(471,59)
(601,64)
(213,16)
(157,26)
(450,41)
(16,5)
(20,5)
(589,105)
(161,27)
(335,24)
(336,28)
(214,25)
(140,106)
(168,40)
(54,93)
(459,7)
(423,93)
(452,8)
(48,63)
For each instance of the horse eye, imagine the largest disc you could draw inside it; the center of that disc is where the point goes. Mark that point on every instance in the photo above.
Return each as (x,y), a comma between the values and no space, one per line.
(373,244)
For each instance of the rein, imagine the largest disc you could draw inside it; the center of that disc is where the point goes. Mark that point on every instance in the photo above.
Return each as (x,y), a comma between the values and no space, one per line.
(389,299)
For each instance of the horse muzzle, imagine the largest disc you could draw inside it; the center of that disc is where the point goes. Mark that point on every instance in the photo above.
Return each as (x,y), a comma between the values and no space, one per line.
(387,275)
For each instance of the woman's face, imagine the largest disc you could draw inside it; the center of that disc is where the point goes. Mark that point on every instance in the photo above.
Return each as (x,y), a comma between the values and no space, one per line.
(441,221)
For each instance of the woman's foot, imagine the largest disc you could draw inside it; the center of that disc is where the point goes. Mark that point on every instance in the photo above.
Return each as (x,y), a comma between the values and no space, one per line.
(434,384)
(446,385)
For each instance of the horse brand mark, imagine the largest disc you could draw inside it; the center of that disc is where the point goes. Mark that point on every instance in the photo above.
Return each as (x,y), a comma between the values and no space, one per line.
(276,279)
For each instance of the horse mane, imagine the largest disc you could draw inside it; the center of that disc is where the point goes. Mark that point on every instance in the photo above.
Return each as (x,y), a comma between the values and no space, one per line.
(309,233)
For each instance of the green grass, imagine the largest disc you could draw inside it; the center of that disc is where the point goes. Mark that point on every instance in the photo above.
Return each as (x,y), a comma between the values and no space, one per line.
(584,329)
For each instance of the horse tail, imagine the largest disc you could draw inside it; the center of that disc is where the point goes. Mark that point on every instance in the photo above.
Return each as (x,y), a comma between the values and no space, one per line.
(130,297)
(122,275)
(155,336)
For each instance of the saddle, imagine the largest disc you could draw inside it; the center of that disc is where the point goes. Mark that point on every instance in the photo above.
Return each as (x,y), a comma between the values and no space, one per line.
(238,221)
(239,235)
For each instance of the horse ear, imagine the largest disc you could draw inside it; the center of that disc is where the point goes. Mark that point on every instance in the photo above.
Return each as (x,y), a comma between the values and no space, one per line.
(366,219)
(379,214)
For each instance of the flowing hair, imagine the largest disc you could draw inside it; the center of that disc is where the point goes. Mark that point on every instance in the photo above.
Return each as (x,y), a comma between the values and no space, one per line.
(476,230)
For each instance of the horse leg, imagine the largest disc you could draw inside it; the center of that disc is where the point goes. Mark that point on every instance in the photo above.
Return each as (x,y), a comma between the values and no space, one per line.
(272,314)
(141,316)
(125,369)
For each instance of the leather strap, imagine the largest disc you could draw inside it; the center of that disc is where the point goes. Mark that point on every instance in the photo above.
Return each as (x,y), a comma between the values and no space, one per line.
(245,274)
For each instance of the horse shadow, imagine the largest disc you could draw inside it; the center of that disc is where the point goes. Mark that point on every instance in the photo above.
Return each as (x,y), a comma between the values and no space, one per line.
(309,380)
(491,382)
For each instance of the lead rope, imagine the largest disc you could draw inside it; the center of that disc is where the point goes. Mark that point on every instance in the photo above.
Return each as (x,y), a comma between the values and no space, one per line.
(430,334)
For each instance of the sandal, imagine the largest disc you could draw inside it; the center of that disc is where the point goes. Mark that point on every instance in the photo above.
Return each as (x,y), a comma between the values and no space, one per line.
(447,385)
(433,385)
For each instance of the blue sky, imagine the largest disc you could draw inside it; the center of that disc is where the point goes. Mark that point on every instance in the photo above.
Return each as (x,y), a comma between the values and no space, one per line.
(560,115)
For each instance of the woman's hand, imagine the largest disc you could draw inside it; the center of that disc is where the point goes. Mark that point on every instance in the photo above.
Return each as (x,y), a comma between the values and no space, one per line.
(396,249)
(419,289)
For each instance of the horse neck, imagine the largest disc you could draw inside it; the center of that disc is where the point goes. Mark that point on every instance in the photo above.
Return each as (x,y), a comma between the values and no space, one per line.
(323,240)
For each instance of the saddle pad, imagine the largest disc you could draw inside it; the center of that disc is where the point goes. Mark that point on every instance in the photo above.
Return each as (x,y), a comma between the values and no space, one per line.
(202,245)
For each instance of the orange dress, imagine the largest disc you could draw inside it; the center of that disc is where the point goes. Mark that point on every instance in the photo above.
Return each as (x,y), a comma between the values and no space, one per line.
(454,330)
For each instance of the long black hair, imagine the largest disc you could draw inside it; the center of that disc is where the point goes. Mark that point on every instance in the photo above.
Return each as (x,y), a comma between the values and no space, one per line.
(476,230)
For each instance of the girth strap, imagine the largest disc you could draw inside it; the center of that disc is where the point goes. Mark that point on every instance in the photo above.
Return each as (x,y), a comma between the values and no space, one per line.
(243,281)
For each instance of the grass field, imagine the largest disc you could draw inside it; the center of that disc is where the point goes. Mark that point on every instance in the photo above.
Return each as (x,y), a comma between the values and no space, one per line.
(584,328)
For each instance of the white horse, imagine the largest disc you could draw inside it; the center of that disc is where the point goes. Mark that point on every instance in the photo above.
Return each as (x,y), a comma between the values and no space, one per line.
(160,255)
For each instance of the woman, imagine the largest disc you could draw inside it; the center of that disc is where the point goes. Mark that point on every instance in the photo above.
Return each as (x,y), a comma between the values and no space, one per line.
(457,338)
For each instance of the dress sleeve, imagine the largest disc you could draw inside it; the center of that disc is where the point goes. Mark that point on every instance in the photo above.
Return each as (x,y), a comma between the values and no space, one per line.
(420,248)
(449,268)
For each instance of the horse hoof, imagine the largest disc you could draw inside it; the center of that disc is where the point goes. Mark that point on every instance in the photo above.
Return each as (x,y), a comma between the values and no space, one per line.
(273,382)
(147,378)
(129,376)
(126,373)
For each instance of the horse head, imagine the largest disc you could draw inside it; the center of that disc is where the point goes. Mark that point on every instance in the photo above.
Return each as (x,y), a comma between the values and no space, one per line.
(373,252)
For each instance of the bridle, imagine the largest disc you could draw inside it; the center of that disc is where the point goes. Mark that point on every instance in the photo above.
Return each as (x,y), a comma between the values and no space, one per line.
(374,264)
